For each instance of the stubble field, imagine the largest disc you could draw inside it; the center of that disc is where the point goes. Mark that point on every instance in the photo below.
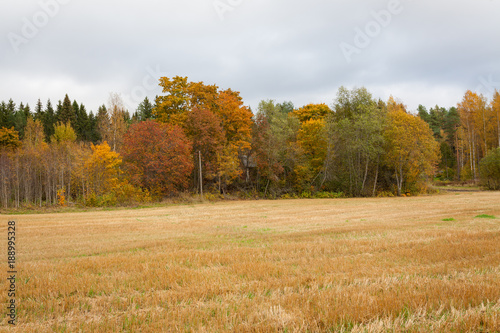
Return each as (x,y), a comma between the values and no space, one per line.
(421,264)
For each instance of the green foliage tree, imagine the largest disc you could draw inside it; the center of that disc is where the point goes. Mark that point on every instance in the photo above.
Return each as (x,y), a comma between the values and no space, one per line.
(274,147)
(356,142)
(489,168)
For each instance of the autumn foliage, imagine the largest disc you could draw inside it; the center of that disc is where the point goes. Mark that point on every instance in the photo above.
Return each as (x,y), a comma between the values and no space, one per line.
(158,157)
(198,135)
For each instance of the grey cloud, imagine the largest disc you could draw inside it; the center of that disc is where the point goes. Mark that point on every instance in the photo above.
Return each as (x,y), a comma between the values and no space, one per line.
(264,49)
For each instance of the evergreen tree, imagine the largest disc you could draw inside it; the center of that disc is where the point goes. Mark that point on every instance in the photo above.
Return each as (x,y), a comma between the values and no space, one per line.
(82,127)
(94,136)
(422,113)
(39,111)
(3,114)
(49,120)
(66,113)
(20,120)
(10,112)
(103,123)
(27,112)
(144,110)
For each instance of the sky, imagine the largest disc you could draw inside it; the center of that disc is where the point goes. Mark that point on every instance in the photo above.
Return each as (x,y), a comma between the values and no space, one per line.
(421,52)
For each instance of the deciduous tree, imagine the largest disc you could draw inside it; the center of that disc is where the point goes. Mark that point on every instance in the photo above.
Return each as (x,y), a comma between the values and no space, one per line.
(411,150)
(158,157)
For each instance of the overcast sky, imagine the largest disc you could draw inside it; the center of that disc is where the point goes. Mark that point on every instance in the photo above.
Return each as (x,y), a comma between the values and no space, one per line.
(421,52)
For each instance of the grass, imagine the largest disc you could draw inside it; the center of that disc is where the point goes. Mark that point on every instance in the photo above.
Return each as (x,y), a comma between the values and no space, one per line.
(485,216)
(262,266)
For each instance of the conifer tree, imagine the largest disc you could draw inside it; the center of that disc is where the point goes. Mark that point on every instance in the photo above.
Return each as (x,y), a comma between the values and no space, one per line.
(145,110)
(82,126)
(66,113)
(20,120)
(10,112)
(3,114)
(38,111)
(103,123)
(48,120)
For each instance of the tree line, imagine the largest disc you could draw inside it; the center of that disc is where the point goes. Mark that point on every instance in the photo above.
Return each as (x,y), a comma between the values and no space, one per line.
(197,137)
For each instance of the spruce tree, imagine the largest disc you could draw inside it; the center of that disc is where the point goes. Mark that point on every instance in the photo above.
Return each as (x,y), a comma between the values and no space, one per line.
(20,120)
(94,136)
(3,114)
(103,123)
(66,113)
(49,120)
(10,113)
(38,111)
(83,128)
(145,110)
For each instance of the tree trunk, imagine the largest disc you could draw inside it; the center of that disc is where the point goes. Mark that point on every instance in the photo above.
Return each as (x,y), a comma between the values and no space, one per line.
(376,178)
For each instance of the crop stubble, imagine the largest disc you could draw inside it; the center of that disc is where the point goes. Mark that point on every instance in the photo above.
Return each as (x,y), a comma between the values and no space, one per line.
(291,265)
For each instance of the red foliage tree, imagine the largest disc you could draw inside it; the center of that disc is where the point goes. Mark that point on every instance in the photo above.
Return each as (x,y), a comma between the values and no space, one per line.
(157,157)
(205,129)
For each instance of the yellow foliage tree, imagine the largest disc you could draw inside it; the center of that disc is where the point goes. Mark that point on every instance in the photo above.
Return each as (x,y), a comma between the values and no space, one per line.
(103,169)
(9,138)
(411,151)
(312,143)
(63,133)
(312,111)
(495,108)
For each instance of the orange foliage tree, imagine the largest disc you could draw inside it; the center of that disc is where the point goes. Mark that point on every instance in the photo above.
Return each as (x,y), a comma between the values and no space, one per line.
(158,157)
(220,111)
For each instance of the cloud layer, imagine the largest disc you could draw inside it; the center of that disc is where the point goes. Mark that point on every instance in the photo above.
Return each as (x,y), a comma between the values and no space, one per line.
(422,52)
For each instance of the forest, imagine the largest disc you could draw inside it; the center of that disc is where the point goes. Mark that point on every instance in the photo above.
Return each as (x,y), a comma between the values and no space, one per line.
(199,139)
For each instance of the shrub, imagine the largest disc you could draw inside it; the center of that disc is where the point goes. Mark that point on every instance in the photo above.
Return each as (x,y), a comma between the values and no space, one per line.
(384,194)
(489,169)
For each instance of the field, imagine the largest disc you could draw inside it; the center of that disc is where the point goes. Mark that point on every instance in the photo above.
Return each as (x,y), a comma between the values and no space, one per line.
(420,264)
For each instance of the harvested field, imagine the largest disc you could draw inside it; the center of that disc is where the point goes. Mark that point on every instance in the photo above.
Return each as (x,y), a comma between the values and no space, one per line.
(420,264)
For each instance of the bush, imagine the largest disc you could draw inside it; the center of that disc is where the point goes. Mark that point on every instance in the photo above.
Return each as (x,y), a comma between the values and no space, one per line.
(385,194)
(489,169)
(328,195)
